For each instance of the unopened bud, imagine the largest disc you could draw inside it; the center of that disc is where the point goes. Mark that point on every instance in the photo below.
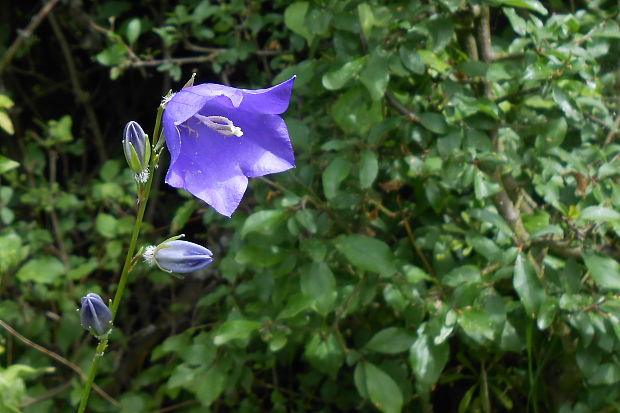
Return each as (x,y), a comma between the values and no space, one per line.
(137,147)
(95,314)
(178,256)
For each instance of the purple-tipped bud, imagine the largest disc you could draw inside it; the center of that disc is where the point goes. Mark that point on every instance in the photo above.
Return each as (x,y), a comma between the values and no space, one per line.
(180,256)
(95,314)
(136,146)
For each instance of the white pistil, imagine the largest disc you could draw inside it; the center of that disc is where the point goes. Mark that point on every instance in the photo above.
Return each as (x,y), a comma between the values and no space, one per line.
(220,124)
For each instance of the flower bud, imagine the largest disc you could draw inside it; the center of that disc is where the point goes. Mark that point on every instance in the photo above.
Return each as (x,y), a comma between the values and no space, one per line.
(179,256)
(136,146)
(95,314)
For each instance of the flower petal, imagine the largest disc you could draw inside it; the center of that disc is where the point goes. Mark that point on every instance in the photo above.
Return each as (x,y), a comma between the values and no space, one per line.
(214,167)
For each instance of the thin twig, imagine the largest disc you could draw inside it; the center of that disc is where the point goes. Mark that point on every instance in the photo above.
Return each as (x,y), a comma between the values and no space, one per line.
(579,41)
(25,33)
(401,108)
(49,395)
(81,96)
(174,60)
(58,358)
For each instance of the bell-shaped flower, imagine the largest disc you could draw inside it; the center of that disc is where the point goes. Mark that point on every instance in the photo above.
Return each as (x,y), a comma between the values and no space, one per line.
(136,146)
(95,314)
(219,136)
(178,256)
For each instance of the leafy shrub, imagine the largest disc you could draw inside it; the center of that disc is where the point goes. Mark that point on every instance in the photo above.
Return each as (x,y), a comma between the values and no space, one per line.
(447,242)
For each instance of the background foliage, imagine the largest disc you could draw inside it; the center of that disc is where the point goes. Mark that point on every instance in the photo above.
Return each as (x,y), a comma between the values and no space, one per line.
(447,242)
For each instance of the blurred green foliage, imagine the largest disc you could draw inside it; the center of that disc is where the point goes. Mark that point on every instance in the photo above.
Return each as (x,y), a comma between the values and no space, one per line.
(448,241)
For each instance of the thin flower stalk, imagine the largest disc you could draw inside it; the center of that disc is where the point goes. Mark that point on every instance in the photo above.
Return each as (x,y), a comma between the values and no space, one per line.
(143,195)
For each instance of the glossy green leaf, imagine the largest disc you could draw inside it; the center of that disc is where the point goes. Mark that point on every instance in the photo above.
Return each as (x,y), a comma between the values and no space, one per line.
(528,285)
(390,340)
(369,168)
(134,27)
(333,175)
(6,124)
(295,19)
(106,225)
(336,79)
(42,270)
(366,18)
(318,282)
(434,122)
(235,329)
(600,214)
(376,75)
(7,164)
(368,254)
(381,388)
(324,353)
(533,5)
(604,270)
(427,361)
(263,222)
(552,134)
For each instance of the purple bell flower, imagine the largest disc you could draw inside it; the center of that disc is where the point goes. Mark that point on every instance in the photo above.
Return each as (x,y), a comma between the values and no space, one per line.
(219,136)
(136,146)
(179,256)
(95,314)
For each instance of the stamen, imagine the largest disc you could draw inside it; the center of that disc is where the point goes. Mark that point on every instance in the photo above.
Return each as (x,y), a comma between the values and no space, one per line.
(220,124)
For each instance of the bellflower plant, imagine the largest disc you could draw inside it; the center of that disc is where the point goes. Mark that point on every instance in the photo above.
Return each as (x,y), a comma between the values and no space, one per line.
(219,136)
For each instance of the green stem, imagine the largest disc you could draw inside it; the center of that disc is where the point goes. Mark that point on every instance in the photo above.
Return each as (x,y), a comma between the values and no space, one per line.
(143,196)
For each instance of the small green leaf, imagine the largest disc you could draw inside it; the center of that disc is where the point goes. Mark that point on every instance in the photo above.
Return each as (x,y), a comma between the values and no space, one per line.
(134,27)
(528,286)
(369,254)
(390,340)
(60,130)
(382,389)
(333,175)
(295,304)
(263,222)
(295,19)
(5,123)
(5,102)
(366,17)
(210,385)
(106,225)
(467,274)
(182,215)
(44,270)
(605,270)
(318,283)
(599,214)
(336,79)
(533,5)
(375,75)
(369,168)
(483,186)
(427,360)
(552,134)
(7,164)
(235,329)
(261,254)
(434,122)
(324,354)
(411,60)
